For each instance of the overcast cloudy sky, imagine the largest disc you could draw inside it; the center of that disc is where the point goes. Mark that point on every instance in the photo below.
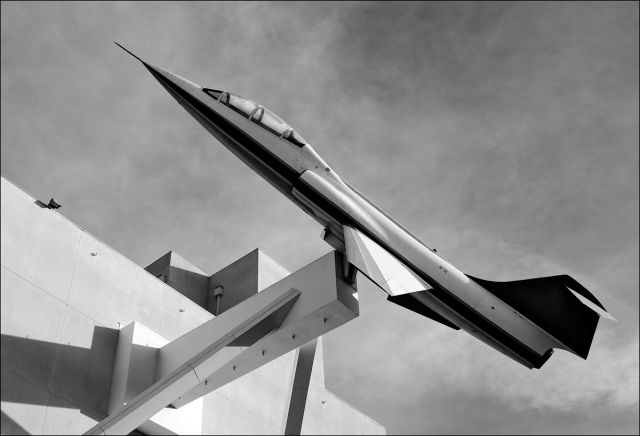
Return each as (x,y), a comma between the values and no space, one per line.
(503,134)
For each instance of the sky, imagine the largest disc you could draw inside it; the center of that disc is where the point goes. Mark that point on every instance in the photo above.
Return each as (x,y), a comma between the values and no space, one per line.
(503,134)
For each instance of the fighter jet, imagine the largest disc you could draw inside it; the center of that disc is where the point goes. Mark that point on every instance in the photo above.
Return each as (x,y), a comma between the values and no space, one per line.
(525,319)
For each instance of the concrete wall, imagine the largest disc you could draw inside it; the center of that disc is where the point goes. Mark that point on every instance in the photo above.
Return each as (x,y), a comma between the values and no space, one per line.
(181,275)
(326,413)
(64,295)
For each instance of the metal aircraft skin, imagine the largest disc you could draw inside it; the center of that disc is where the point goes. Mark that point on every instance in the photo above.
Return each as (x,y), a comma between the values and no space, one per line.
(523,319)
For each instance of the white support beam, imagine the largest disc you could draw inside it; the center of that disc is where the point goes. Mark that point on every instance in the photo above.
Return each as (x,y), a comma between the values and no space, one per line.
(221,330)
(276,321)
(326,302)
(133,372)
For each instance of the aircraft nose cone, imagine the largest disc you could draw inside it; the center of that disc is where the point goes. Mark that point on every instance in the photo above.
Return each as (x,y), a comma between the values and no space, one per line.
(166,78)
(153,70)
(131,53)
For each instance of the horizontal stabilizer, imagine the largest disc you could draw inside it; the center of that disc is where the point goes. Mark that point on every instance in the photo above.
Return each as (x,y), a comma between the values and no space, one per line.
(380,266)
(559,305)
(590,304)
(409,301)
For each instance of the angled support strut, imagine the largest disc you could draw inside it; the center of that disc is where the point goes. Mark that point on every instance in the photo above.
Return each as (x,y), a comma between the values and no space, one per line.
(281,318)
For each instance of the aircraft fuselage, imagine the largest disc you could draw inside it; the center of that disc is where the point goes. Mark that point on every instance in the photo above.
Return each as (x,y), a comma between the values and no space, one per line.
(301,175)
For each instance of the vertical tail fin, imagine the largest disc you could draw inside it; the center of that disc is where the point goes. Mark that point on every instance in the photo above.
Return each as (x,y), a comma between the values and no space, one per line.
(558,304)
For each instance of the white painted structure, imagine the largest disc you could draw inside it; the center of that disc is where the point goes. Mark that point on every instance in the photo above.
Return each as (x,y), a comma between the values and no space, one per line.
(76,313)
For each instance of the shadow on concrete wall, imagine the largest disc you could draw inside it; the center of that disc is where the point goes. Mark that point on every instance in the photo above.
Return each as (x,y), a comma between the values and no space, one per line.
(78,377)
(41,204)
(9,426)
(190,284)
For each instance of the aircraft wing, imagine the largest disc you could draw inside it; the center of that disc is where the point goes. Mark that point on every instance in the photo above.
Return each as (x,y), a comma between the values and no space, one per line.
(380,266)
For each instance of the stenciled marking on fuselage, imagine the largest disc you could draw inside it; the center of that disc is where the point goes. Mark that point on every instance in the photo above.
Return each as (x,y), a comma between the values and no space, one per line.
(439,291)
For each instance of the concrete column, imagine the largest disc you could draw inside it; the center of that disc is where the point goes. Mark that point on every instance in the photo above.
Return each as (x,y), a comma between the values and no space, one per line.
(300,388)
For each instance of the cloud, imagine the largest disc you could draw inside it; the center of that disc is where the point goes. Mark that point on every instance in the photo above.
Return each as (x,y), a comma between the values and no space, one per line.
(504,134)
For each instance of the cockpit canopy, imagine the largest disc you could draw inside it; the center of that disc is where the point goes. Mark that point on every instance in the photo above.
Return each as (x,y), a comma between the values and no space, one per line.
(258,114)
